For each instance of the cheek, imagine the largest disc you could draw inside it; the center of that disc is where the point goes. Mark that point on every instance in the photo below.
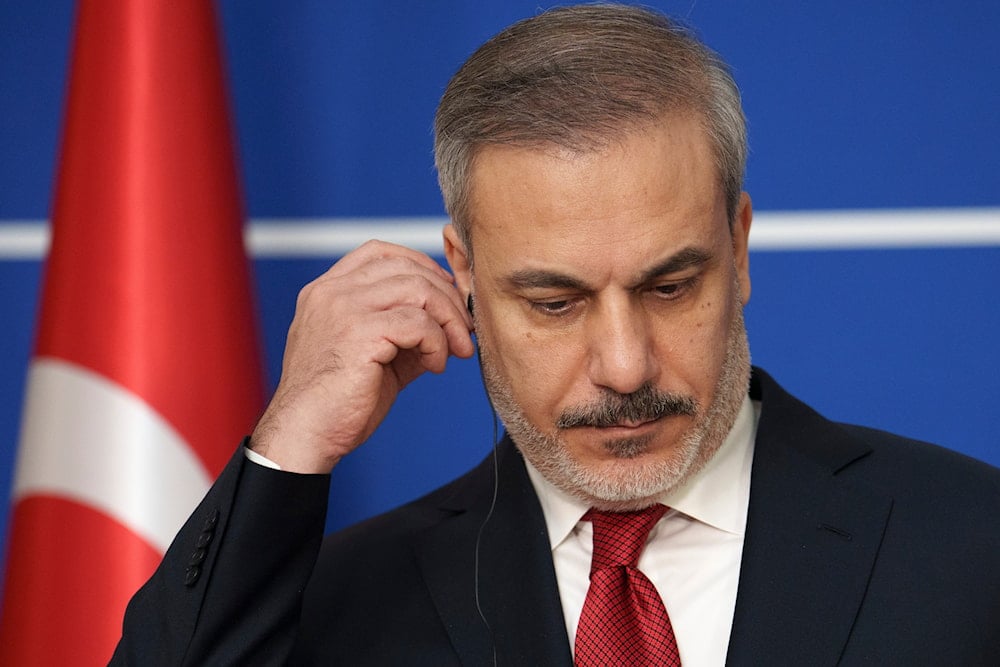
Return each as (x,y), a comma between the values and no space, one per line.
(708,335)
(693,350)
(541,370)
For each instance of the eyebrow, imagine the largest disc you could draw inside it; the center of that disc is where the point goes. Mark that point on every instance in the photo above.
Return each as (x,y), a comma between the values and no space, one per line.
(543,279)
(680,261)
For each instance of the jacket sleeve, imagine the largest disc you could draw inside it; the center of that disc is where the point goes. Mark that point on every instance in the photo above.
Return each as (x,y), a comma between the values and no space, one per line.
(229,589)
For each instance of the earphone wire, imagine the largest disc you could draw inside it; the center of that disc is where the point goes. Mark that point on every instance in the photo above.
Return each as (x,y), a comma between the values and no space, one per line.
(489,515)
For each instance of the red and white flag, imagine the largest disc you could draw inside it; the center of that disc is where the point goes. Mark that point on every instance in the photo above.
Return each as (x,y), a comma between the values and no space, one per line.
(147,367)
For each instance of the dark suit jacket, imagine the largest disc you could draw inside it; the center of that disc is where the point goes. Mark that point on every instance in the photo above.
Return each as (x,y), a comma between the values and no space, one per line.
(861,548)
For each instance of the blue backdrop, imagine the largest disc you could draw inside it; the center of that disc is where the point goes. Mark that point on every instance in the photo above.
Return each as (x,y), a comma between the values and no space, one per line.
(852,105)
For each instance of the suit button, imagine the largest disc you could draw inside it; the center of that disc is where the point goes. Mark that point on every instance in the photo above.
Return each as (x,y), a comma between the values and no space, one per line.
(198,557)
(210,522)
(191,576)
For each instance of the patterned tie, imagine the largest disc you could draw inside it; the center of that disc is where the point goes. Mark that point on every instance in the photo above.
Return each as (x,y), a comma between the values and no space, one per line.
(624,621)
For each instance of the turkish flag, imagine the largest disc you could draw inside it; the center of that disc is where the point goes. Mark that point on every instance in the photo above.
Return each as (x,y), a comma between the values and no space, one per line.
(147,369)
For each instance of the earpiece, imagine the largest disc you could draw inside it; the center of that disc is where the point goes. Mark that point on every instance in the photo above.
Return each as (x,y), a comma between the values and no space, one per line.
(468,304)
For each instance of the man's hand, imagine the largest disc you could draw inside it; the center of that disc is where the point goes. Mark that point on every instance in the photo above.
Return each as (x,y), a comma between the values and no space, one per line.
(362,331)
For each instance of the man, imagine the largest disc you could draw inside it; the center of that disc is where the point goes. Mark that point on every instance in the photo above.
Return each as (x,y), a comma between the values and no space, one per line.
(591,160)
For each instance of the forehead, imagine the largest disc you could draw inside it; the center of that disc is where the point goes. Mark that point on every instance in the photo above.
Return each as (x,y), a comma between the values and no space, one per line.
(651,191)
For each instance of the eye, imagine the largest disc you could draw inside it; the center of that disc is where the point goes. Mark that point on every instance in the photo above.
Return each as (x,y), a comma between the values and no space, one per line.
(674,290)
(558,307)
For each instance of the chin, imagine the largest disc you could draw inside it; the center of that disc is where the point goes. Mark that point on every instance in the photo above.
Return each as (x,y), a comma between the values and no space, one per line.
(632,478)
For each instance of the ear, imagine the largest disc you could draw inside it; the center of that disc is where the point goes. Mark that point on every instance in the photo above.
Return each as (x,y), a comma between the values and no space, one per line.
(458,259)
(741,241)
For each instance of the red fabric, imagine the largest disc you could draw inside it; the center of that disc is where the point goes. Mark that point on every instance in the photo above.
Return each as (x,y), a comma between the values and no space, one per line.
(147,281)
(624,621)
(147,284)
(72,571)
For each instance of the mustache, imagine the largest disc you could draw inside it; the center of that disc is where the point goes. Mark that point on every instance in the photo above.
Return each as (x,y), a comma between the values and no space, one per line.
(644,404)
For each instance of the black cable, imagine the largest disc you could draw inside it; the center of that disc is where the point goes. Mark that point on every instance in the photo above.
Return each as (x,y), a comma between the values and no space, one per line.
(479,536)
(493,503)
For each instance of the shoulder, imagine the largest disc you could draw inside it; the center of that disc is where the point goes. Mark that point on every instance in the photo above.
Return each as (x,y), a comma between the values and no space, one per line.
(923,480)
(929,478)
(387,531)
(905,525)
(902,456)
(388,539)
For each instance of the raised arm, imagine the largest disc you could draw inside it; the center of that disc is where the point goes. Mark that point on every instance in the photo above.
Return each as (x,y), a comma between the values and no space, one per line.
(229,588)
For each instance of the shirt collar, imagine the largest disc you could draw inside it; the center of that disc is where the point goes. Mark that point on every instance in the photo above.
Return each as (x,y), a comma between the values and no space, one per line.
(717,496)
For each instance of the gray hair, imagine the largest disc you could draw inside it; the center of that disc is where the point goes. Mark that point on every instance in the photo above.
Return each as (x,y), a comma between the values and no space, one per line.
(580,77)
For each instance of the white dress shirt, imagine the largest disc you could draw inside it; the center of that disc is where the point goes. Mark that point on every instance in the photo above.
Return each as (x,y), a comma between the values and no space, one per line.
(693,553)
(260,459)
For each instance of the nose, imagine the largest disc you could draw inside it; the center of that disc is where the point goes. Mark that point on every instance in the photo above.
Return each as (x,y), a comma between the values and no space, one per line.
(621,346)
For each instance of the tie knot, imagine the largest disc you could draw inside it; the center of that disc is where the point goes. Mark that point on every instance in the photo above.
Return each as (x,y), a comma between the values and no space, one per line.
(619,537)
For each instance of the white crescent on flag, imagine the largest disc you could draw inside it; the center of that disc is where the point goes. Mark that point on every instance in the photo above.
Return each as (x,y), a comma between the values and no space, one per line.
(87,439)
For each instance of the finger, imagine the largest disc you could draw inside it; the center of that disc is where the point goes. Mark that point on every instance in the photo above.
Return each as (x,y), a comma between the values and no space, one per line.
(442,300)
(376,272)
(374,250)
(373,288)
(412,329)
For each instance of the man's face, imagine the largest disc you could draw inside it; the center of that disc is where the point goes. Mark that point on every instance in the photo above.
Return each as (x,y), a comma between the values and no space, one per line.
(608,294)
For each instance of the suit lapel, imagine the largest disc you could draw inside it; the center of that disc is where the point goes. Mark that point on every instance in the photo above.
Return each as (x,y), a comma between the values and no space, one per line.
(811,542)
(517,588)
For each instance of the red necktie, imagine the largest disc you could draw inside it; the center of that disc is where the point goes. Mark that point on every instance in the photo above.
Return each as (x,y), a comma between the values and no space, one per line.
(624,621)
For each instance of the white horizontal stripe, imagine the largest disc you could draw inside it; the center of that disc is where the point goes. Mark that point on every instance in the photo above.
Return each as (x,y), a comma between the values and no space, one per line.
(327,237)
(916,228)
(87,439)
(23,239)
(772,230)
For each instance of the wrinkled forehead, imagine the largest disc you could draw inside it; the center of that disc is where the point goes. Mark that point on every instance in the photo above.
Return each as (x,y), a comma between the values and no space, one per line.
(671,158)
(583,147)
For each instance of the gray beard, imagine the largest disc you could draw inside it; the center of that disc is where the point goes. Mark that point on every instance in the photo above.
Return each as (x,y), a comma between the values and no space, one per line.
(628,486)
